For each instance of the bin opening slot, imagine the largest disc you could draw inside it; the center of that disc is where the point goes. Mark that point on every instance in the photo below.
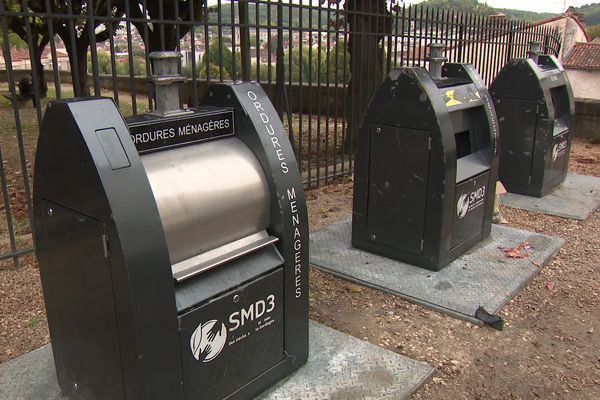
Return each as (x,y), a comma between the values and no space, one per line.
(560,102)
(463,144)
(472,165)
(199,290)
(447,82)
(546,63)
(213,258)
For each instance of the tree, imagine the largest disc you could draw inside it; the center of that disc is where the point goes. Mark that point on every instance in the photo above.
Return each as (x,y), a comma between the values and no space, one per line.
(15,41)
(104,63)
(153,35)
(261,74)
(369,23)
(39,34)
(255,41)
(82,28)
(593,31)
(304,68)
(223,57)
(335,66)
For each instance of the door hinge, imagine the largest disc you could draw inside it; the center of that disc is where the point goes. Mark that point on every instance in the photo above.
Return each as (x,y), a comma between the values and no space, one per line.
(429,144)
(105,245)
(422,244)
(529,180)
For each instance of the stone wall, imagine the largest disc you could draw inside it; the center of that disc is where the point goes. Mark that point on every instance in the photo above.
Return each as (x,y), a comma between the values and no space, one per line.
(587,119)
(303,98)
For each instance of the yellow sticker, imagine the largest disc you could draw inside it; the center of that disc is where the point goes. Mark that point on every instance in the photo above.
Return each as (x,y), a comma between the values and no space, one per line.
(452,101)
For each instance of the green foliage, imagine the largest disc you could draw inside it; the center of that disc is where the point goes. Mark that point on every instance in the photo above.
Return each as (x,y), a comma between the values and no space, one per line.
(593,31)
(225,55)
(254,40)
(213,71)
(33,321)
(528,16)
(121,66)
(14,41)
(591,11)
(263,13)
(313,21)
(261,73)
(187,71)
(304,64)
(474,6)
(592,14)
(335,60)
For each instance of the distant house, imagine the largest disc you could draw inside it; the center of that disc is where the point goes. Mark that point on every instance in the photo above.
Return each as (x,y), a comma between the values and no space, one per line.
(19,57)
(62,59)
(582,64)
(21,60)
(572,29)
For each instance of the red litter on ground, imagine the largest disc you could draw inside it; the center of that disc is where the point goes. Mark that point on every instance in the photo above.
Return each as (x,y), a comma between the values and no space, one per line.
(521,251)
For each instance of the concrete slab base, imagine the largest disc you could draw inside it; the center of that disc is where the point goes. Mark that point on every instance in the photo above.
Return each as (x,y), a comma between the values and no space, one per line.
(576,198)
(343,367)
(339,367)
(483,276)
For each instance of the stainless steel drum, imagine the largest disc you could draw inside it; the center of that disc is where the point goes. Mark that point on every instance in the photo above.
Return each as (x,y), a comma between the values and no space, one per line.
(208,195)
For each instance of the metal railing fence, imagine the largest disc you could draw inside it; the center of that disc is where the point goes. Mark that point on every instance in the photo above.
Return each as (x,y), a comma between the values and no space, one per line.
(319,64)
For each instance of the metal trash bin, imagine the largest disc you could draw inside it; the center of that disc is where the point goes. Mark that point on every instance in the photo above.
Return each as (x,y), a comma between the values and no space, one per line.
(426,165)
(534,103)
(173,246)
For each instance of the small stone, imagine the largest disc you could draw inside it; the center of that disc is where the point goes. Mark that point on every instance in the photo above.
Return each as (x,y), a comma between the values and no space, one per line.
(354,288)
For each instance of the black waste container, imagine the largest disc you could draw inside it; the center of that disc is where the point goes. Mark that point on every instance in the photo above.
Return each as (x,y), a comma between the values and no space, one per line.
(534,104)
(172,247)
(426,166)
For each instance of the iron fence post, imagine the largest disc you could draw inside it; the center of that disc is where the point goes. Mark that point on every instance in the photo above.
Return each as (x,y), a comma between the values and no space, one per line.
(244,39)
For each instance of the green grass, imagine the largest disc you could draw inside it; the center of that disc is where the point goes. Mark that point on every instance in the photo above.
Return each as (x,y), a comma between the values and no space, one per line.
(33,321)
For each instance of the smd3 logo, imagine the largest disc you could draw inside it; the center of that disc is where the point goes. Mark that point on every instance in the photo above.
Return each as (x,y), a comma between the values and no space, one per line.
(559,149)
(469,201)
(209,338)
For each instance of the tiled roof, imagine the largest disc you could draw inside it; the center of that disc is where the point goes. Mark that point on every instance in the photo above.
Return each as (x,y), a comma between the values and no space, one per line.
(583,56)
(17,54)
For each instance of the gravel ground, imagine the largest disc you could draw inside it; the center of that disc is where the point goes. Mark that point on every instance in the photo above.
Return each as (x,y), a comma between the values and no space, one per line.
(550,347)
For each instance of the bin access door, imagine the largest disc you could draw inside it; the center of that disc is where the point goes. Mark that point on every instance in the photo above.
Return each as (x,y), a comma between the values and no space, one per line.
(403,176)
(516,145)
(85,342)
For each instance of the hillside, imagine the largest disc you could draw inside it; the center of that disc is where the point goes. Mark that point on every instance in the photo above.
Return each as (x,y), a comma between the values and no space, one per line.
(592,13)
(473,6)
(525,15)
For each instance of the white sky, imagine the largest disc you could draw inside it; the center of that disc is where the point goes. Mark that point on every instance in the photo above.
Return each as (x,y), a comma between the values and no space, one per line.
(551,6)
